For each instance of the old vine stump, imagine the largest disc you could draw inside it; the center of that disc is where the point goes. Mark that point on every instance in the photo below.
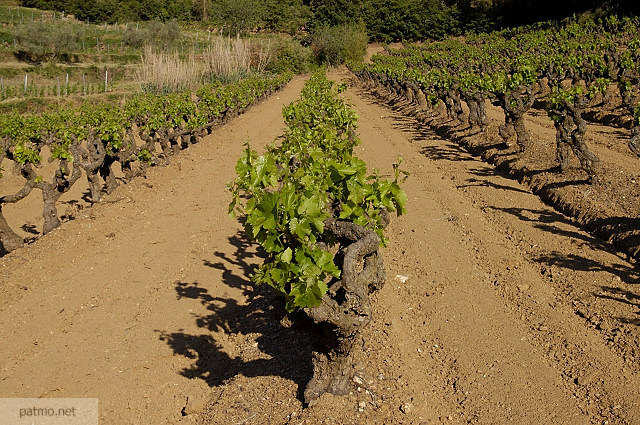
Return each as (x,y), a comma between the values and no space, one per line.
(345,308)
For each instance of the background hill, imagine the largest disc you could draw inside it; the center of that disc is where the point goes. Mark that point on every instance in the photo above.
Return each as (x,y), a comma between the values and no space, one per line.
(385,20)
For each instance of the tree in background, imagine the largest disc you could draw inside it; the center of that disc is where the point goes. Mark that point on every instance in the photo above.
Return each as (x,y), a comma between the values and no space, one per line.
(112,11)
(389,20)
(338,44)
(408,19)
(38,42)
(331,13)
(236,16)
(158,34)
(385,20)
(288,16)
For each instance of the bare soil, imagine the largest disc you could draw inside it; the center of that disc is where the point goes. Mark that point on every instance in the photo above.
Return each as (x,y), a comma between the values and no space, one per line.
(497,309)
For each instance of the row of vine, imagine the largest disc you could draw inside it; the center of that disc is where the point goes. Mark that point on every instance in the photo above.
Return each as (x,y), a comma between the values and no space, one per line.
(90,140)
(568,67)
(319,216)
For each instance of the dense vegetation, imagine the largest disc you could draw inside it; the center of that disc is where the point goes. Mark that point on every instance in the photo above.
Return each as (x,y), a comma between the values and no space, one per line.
(90,140)
(388,20)
(234,15)
(569,67)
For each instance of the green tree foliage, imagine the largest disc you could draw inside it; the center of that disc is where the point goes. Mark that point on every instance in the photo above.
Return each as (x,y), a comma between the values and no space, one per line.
(486,15)
(340,43)
(112,11)
(331,13)
(37,42)
(385,20)
(159,34)
(237,16)
(408,19)
(285,15)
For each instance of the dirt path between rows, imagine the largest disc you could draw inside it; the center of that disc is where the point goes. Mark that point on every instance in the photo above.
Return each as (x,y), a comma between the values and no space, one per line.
(497,309)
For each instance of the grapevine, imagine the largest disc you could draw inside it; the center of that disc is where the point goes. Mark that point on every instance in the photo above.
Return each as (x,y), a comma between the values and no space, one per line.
(316,212)
(91,139)
(515,68)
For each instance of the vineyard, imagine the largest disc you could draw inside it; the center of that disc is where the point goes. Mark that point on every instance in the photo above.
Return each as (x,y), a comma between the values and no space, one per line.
(144,131)
(446,233)
(573,72)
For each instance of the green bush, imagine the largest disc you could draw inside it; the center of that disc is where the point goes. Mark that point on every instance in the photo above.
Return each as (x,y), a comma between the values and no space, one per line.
(290,55)
(237,16)
(339,44)
(37,42)
(289,16)
(156,33)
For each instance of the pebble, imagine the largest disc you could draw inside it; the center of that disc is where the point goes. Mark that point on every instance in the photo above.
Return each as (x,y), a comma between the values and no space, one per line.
(406,408)
(402,278)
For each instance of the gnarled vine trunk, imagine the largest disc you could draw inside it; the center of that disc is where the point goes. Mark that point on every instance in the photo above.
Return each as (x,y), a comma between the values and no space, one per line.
(515,105)
(345,309)
(570,131)
(634,140)
(90,160)
(9,239)
(62,181)
(454,104)
(477,111)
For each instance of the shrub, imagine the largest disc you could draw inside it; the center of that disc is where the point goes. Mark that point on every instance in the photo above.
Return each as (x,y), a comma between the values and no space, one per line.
(237,16)
(290,55)
(37,42)
(225,59)
(157,33)
(339,44)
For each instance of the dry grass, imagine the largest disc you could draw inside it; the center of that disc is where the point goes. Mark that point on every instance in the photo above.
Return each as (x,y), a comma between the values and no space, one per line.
(224,59)
(227,56)
(165,73)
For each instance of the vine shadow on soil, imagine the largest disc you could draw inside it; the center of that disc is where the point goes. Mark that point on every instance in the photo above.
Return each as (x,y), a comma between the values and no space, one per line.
(628,274)
(480,182)
(625,297)
(289,348)
(546,220)
(612,292)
